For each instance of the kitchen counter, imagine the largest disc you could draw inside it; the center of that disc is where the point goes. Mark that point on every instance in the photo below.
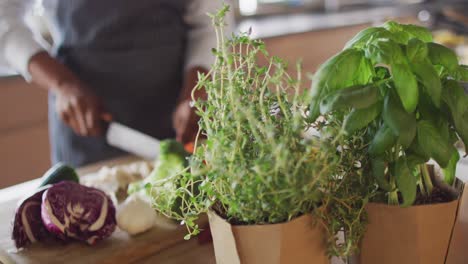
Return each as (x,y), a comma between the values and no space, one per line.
(159,245)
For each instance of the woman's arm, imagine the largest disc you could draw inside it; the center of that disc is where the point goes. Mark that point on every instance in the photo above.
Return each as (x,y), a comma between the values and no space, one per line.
(24,52)
(17,41)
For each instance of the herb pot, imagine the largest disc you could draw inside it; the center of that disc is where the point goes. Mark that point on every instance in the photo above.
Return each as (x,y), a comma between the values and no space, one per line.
(297,241)
(414,235)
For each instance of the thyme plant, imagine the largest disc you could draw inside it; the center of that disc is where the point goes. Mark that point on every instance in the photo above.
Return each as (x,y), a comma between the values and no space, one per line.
(255,166)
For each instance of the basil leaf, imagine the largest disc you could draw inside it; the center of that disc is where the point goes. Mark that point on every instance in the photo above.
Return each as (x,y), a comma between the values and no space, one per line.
(416,50)
(427,75)
(368,35)
(359,96)
(416,151)
(378,171)
(348,68)
(421,33)
(384,51)
(456,100)
(414,160)
(406,86)
(441,55)
(433,144)
(462,73)
(383,140)
(406,31)
(406,182)
(396,117)
(360,118)
(450,169)
(398,34)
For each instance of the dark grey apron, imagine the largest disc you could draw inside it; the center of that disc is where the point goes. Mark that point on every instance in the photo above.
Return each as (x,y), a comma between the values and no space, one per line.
(131,53)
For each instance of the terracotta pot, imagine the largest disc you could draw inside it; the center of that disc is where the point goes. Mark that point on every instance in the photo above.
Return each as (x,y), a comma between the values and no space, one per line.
(297,241)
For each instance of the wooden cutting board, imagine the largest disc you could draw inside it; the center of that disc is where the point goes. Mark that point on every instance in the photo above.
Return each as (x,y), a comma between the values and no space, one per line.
(119,248)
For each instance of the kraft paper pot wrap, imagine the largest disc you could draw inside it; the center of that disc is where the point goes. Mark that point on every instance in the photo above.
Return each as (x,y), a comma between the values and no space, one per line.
(415,235)
(297,241)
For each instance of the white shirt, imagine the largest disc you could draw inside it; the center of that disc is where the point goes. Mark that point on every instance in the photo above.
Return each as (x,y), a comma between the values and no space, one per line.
(19,42)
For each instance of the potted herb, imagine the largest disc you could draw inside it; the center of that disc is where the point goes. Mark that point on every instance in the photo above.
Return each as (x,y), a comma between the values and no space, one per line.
(255,174)
(397,93)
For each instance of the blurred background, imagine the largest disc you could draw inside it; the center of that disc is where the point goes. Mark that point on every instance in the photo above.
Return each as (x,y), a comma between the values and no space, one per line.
(311,30)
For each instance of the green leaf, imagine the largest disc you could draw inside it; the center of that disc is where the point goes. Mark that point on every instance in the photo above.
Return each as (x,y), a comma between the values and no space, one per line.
(416,50)
(360,118)
(378,171)
(426,108)
(427,75)
(359,96)
(433,144)
(397,32)
(441,55)
(456,100)
(462,73)
(403,32)
(383,140)
(406,182)
(416,151)
(450,170)
(421,33)
(384,51)
(414,160)
(349,67)
(367,35)
(406,86)
(396,118)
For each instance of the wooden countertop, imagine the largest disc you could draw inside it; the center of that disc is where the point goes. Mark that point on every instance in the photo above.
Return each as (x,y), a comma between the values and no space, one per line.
(159,245)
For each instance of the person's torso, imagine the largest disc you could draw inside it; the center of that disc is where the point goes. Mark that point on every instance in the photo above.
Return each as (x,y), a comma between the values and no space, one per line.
(131,53)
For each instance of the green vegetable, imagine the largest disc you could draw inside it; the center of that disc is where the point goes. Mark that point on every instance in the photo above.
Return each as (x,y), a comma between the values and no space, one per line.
(59,172)
(171,162)
(405,182)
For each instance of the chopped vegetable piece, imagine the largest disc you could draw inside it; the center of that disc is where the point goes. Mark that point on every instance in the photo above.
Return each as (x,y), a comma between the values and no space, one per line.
(28,227)
(70,210)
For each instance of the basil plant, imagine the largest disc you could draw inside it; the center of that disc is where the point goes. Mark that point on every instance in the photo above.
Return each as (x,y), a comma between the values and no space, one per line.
(404,90)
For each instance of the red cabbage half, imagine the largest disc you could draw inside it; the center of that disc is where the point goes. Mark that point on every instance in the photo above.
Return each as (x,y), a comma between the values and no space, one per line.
(70,210)
(27,226)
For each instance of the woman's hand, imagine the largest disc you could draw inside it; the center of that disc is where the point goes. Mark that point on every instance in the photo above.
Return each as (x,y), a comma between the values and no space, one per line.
(80,109)
(76,104)
(185,120)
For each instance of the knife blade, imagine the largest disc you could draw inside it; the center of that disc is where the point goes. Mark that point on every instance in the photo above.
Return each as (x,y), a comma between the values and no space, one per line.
(132,141)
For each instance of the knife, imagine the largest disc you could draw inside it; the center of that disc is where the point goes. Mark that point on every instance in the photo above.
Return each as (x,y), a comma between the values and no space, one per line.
(132,141)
